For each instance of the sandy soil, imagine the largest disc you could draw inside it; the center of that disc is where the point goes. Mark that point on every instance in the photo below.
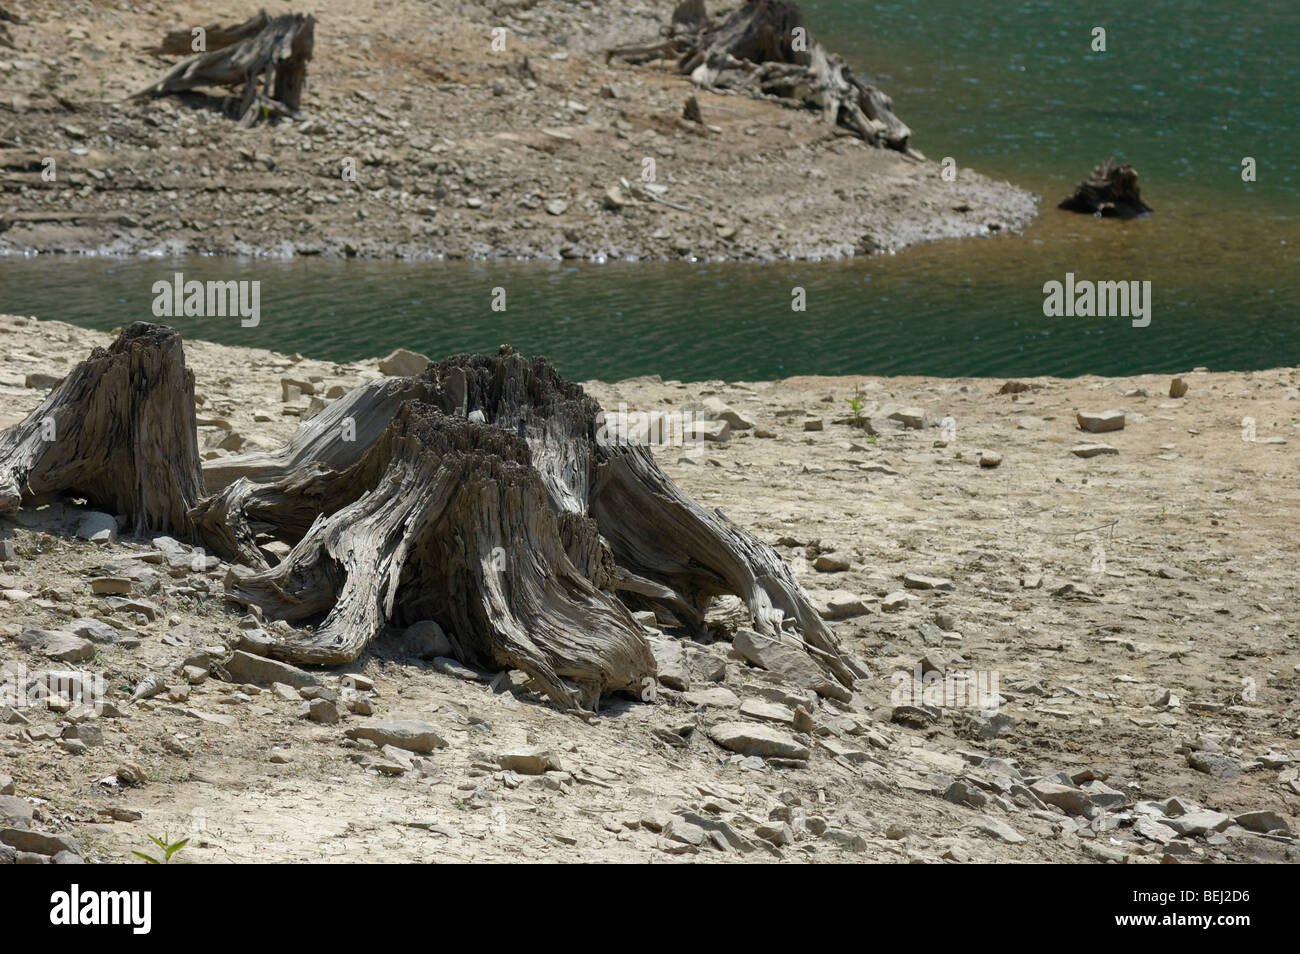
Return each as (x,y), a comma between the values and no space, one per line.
(1138,609)
(457,152)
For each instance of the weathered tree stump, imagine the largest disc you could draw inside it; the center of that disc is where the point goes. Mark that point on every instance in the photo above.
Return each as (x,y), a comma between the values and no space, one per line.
(268,57)
(764,49)
(484,493)
(1110,192)
(119,431)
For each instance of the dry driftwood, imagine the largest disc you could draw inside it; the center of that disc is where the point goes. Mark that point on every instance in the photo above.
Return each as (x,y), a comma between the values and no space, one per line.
(764,49)
(482,493)
(119,431)
(1110,192)
(270,64)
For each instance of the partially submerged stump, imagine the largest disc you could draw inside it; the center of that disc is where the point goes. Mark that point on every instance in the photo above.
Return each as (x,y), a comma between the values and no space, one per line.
(484,493)
(1110,192)
(266,56)
(119,431)
(764,49)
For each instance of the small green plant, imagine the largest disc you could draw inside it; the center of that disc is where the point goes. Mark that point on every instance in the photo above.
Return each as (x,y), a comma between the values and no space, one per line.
(856,404)
(167,849)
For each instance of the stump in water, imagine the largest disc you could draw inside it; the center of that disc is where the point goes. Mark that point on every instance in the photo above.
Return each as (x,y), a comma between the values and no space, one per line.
(1110,192)
(268,57)
(119,430)
(521,570)
(764,49)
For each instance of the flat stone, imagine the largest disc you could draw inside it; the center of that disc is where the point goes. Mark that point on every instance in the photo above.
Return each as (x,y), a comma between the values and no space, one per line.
(426,639)
(670,661)
(1198,822)
(788,662)
(15,813)
(38,842)
(1072,800)
(840,604)
(763,741)
(1262,821)
(245,667)
(1220,766)
(912,417)
(766,711)
(997,829)
(414,735)
(718,696)
(1100,422)
(530,761)
(893,602)
(1092,450)
(403,363)
(831,563)
(97,631)
(915,581)
(59,645)
(97,527)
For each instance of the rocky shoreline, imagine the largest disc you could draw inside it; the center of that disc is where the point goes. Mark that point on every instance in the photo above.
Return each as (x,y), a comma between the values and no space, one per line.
(1126,617)
(537,151)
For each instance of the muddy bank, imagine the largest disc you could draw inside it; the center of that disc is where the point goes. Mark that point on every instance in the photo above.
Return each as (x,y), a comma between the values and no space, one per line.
(537,151)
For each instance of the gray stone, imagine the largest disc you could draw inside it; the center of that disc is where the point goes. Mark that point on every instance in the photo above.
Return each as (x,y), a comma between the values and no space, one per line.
(831,563)
(97,527)
(14,812)
(766,712)
(426,639)
(998,829)
(403,363)
(916,581)
(718,696)
(530,761)
(778,834)
(6,785)
(97,631)
(245,667)
(670,661)
(1220,766)
(1263,821)
(1100,422)
(38,842)
(840,604)
(1092,450)
(912,417)
(55,644)
(1070,799)
(413,735)
(1198,822)
(323,711)
(788,662)
(749,738)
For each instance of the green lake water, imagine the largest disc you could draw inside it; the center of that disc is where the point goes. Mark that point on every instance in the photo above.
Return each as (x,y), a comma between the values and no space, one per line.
(1184,91)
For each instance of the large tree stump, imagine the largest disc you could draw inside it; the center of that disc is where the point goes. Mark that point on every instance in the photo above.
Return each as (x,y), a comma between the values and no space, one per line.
(764,49)
(268,58)
(483,493)
(1110,192)
(621,523)
(119,431)
(450,522)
